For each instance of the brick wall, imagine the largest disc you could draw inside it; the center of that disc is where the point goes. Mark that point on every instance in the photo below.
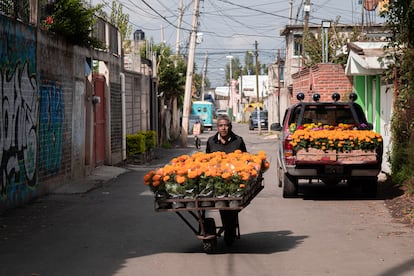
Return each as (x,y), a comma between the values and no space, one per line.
(324,79)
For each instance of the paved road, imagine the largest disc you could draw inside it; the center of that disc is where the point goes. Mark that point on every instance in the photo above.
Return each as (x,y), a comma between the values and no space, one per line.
(113,230)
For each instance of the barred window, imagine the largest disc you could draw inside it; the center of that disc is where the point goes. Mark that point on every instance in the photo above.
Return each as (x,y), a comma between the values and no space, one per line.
(18,9)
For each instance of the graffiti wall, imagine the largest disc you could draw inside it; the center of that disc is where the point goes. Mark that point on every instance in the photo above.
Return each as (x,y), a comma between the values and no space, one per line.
(45,111)
(18,113)
(51,115)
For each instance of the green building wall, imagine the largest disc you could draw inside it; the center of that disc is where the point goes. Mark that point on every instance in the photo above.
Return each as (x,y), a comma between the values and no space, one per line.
(362,84)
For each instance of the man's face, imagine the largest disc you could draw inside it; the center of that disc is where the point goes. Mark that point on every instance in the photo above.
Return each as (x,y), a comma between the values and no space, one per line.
(223,127)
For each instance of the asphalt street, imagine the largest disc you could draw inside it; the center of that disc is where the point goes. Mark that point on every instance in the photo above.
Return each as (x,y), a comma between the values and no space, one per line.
(106,225)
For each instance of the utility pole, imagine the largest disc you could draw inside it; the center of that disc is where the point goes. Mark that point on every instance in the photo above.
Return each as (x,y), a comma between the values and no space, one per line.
(203,79)
(305,30)
(230,102)
(259,127)
(278,85)
(180,19)
(290,12)
(189,76)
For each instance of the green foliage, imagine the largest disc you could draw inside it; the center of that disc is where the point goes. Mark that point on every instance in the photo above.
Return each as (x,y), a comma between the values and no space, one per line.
(121,21)
(141,142)
(400,19)
(171,72)
(249,67)
(74,21)
(135,144)
(166,145)
(313,46)
(150,139)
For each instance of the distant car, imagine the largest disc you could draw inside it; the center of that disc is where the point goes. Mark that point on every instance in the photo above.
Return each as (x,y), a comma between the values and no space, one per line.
(191,120)
(221,112)
(255,117)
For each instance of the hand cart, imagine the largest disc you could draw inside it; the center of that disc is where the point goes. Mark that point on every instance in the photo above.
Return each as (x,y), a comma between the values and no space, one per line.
(206,229)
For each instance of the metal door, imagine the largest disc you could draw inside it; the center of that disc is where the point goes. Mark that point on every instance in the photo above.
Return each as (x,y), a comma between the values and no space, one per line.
(99,119)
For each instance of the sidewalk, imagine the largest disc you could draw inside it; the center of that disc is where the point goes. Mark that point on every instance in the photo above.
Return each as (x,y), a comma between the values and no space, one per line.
(103,174)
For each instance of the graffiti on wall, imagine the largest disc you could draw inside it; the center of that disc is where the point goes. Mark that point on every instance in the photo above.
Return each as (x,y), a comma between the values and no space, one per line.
(18,111)
(51,117)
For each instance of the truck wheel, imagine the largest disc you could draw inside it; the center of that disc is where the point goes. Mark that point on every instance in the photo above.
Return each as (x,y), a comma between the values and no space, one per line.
(290,187)
(369,186)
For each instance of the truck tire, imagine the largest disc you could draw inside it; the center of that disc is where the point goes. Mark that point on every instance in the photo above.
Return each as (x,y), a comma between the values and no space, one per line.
(290,187)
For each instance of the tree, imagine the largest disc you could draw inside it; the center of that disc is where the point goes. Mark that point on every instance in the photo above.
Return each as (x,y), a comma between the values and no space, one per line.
(74,21)
(121,21)
(249,67)
(235,69)
(313,45)
(400,19)
(171,71)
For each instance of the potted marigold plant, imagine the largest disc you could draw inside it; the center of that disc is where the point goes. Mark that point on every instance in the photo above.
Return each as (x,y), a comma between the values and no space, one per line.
(214,174)
(334,141)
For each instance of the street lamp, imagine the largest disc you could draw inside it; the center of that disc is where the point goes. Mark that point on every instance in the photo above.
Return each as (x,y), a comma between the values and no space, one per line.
(325,50)
(230,110)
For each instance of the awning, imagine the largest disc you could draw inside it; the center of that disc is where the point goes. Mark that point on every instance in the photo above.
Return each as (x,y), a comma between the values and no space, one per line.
(365,59)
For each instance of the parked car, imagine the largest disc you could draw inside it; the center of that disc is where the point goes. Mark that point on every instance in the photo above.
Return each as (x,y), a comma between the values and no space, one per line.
(221,112)
(254,118)
(191,120)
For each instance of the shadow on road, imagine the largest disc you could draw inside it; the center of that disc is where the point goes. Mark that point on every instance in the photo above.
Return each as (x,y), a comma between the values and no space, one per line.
(344,192)
(255,243)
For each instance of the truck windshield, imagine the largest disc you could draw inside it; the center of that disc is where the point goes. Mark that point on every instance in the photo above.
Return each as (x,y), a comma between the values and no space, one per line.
(323,114)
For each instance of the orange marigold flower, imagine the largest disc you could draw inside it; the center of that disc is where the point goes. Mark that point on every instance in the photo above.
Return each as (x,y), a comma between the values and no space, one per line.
(156,177)
(180,179)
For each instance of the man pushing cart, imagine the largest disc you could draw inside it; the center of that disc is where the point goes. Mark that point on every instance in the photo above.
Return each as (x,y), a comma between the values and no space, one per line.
(228,149)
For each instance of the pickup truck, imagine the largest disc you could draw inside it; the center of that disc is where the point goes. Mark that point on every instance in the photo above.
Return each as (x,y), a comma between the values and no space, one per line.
(330,142)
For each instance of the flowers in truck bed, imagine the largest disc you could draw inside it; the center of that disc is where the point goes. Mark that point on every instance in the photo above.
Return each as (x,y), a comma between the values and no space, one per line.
(208,174)
(341,138)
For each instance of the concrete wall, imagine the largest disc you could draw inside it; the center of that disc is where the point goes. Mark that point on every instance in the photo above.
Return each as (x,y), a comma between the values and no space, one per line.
(137,102)
(47,112)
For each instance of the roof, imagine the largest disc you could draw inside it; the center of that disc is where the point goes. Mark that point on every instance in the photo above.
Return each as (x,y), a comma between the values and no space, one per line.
(364,59)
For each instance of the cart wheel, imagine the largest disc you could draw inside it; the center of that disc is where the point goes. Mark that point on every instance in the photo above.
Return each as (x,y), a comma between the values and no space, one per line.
(210,245)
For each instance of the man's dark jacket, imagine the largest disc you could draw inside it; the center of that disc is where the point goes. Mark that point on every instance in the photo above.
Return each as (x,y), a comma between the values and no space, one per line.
(234,142)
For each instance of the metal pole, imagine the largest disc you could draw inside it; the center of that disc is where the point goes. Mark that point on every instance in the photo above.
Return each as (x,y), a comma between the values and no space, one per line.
(259,127)
(189,76)
(203,79)
(241,95)
(326,46)
(323,45)
(278,85)
(230,111)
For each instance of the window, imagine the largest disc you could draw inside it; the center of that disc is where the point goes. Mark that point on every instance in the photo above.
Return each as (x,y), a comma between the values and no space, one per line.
(297,45)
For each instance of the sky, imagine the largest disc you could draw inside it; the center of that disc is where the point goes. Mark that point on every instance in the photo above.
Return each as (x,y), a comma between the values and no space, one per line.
(231,27)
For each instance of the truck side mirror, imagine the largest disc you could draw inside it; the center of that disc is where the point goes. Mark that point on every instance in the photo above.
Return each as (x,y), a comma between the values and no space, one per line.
(276,127)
